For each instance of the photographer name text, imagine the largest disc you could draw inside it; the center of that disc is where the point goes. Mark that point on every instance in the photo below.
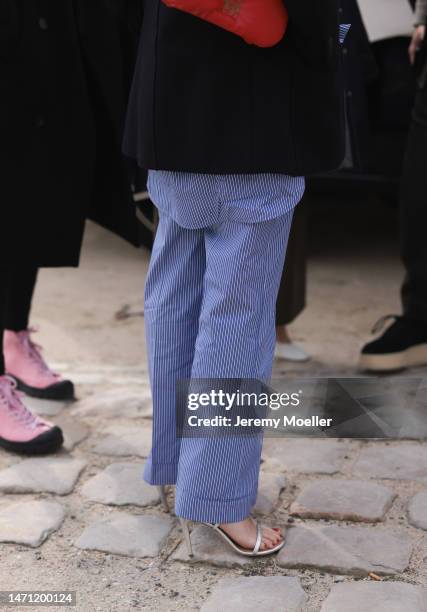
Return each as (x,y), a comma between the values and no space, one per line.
(273,423)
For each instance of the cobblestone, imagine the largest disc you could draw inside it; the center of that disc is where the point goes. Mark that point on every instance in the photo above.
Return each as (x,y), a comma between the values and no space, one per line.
(42,475)
(31,522)
(255,593)
(74,432)
(127,534)
(376,596)
(402,461)
(417,510)
(44,408)
(348,500)
(117,403)
(346,550)
(306,456)
(270,487)
(121,484)
(121,441)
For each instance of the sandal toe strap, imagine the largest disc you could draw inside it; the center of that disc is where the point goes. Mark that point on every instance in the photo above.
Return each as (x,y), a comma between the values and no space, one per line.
(258,539)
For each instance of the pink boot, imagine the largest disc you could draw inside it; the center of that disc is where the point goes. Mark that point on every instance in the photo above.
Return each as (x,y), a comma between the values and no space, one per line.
(25,364)
(20,430)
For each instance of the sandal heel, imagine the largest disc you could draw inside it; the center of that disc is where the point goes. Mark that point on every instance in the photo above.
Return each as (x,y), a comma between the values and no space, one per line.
(187,537)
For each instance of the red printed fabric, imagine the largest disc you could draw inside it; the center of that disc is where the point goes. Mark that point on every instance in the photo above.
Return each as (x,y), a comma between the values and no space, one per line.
(259,22)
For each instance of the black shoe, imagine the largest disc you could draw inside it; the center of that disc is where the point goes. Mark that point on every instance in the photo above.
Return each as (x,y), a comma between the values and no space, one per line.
(47,443)
(402,345)
(60,391)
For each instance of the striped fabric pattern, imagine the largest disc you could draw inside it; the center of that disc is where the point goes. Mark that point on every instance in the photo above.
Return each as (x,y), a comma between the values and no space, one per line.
(196,201)
(210,301)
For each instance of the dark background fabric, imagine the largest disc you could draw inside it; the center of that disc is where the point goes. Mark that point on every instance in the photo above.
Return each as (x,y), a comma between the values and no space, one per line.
(413,214)
(360,70)
(205,101)
(380,87)
(291,298)
(65,72)
(16,294)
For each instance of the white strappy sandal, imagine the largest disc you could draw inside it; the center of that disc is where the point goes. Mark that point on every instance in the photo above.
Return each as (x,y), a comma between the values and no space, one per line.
(256,552)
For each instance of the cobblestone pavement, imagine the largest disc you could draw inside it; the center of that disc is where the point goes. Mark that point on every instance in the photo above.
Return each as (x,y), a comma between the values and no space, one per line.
(354,512)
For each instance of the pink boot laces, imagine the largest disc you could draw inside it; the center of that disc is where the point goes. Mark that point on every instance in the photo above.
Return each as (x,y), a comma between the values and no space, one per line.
(34,352)
(11,398)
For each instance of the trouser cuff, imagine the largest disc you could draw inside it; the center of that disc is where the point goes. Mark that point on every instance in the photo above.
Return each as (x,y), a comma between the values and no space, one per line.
(160,473)
(213,510)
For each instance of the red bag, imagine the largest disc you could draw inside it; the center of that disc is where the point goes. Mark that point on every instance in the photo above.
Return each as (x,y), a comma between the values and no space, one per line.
(259,22)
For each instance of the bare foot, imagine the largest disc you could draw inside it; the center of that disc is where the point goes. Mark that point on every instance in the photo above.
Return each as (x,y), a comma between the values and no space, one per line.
(244,534)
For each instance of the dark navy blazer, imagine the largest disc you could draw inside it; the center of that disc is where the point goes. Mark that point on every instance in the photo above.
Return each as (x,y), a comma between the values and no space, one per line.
(205,101)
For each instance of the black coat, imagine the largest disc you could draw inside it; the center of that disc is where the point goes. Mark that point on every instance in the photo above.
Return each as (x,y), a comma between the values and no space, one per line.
(65,71)
(205,101)
(360,70)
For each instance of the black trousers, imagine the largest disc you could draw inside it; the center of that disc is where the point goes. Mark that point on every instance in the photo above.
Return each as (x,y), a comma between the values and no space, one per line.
(292,292)
(413,214)
(16,294)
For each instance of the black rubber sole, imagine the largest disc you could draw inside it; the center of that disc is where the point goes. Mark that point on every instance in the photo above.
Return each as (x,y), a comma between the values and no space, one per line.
(47,443)
(62,391)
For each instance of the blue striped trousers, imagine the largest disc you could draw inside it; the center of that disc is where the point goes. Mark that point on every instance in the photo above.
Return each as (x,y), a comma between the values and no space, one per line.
(210,301)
